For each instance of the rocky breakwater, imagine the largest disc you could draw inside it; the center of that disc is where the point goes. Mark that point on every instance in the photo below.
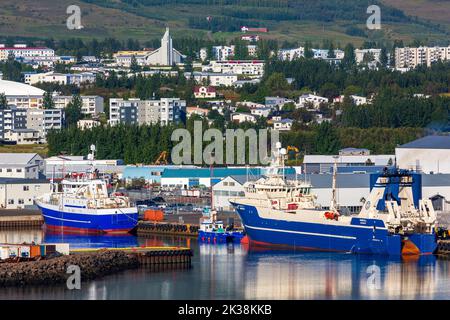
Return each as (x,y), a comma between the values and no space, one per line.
(54,271)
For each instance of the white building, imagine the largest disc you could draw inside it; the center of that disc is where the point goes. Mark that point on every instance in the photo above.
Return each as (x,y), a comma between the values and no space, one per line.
(21,95)
(223,191)
(214,79)
(166,55)
(23,51)
(249,68)
(243,117)
(313,99)
(20,165)
(324,163)
(204,92)
(250,104)
(203,54)
(222,53)
(430,154)
(20,193)
(261,112)
(23,136)
(412,57)
(291,54)
(357,100)
(361,53)
(52,77)
(84,124)
(283,124)
(91,105)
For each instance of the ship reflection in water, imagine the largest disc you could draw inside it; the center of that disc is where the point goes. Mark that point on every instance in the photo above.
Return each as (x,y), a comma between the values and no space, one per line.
(235,272)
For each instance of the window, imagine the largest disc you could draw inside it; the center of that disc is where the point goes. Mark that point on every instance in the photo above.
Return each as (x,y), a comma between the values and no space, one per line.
(26,188)
(8,170)
(18,170)
(10,201)
(21,201)
(37,188)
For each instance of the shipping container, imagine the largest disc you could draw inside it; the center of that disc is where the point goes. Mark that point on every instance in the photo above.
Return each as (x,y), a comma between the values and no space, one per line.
(153,215)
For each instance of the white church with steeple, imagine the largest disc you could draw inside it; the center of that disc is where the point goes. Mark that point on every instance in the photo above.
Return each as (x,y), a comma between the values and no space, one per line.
(166,55)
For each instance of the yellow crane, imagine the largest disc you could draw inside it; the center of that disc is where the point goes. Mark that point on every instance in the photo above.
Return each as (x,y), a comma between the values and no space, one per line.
(163,159)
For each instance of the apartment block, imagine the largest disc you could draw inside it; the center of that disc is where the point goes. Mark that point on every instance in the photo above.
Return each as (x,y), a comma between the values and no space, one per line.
(412,57)
(136,111)
(92,105)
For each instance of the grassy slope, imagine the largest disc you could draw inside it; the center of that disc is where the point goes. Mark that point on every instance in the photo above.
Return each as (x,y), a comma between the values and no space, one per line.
(26,148)
(434,10)
(45,18)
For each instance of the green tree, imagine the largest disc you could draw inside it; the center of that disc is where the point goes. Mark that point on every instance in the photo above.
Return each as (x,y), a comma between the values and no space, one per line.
(73,110)
(48,102)
(277,82)
(327,139)
(134,66)
(3,101)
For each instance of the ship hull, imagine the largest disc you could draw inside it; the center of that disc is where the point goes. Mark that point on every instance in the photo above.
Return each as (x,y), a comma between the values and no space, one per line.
(366,236)
(84,221)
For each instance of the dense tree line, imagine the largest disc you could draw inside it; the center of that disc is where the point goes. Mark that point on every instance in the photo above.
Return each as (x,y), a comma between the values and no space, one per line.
(143,144)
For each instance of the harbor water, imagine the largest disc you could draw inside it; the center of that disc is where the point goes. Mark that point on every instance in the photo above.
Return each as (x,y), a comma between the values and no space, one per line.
(238,272)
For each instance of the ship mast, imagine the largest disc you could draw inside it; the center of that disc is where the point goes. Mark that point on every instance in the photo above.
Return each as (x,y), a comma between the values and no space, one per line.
(333,206)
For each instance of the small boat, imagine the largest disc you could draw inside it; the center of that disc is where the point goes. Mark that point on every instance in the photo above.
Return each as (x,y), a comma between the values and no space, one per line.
(213,231)
(82,204)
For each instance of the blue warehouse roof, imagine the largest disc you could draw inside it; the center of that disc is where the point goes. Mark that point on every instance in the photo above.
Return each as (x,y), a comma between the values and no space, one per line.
(206,173)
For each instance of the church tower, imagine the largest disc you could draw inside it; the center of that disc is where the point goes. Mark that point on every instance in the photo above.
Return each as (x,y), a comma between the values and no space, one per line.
(166,49)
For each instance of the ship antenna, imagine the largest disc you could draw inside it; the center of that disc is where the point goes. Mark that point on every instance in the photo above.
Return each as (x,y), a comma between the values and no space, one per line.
(333,197)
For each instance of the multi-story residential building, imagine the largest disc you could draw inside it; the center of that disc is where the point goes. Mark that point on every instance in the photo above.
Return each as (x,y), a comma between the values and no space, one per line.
(43,120)
(60,78)
(249,68)
(136,111)
(12,118)
(291,54)
(203,54)
(92,105)
(213,79)
(360,54)
(123,111)
(163,111)
(222,53)
(252,50)
(413,57)
(305,99)
(33,78)
(21,95)
(23,51)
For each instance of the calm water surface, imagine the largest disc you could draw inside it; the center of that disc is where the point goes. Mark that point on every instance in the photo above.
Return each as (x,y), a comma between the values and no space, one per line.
(236,272)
